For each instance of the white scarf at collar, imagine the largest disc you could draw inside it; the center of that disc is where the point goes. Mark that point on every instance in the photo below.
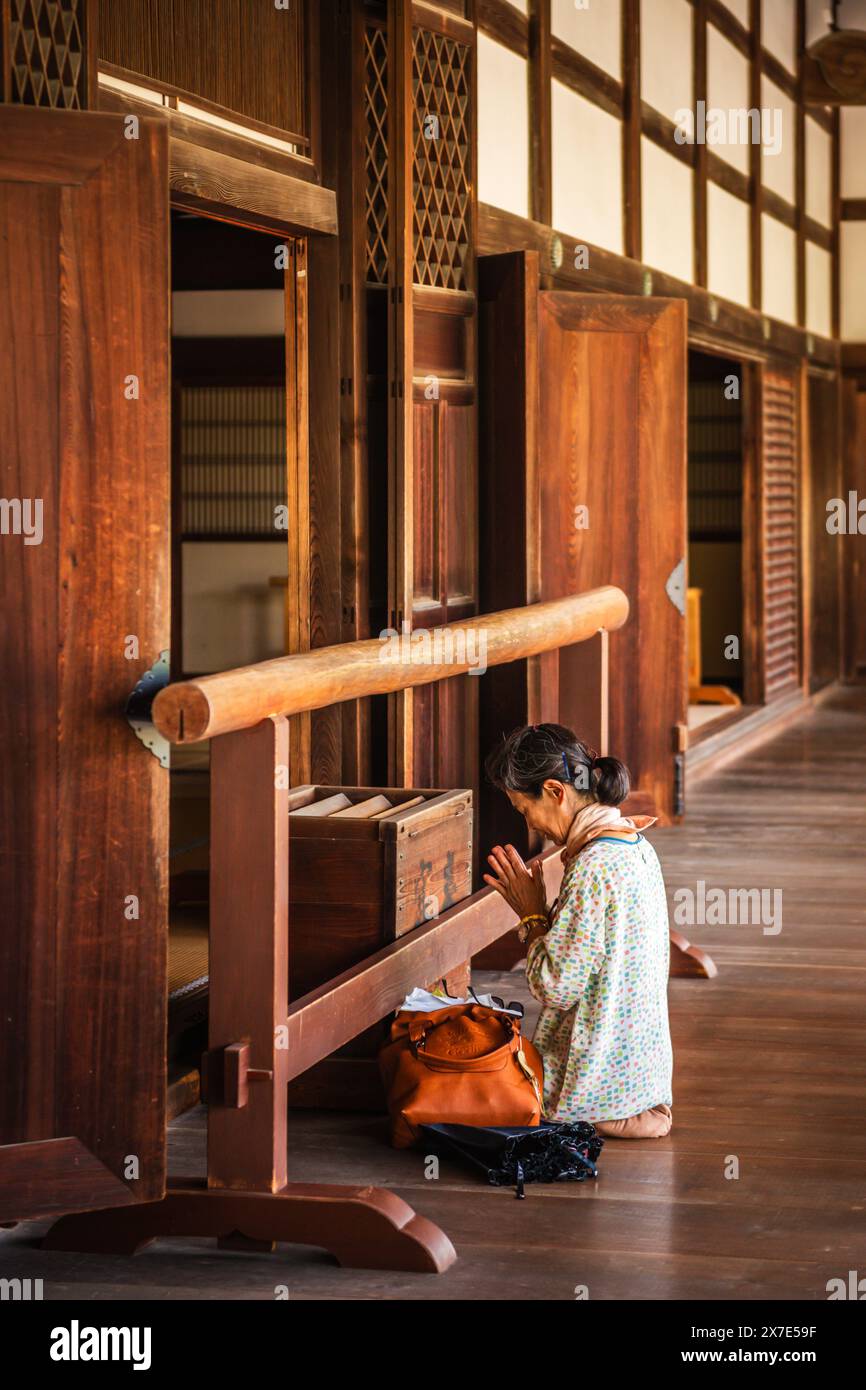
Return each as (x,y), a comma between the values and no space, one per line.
(594,820)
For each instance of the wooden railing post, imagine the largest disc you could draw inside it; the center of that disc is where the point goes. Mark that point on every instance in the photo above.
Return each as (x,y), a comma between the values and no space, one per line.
(249,958)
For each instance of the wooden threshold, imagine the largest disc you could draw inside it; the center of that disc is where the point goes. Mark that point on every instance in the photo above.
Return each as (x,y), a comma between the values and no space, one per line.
(744,730)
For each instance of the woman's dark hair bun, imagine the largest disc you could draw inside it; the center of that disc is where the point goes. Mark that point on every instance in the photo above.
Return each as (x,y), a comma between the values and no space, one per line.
(610,780)
(524,760)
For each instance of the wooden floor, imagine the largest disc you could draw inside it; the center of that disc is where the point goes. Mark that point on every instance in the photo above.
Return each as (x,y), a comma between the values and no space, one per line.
(770,1072)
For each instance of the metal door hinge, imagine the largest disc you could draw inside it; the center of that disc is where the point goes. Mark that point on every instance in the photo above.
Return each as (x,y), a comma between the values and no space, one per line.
(675,587)
(140,704)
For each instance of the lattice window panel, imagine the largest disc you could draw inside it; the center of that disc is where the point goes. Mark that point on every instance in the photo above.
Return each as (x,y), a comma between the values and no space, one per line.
(442,192)
(376,152)
(232,461)
(781,536)
(46,53)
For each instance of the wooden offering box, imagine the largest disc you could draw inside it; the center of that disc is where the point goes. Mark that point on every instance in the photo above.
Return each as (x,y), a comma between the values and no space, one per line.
(366,865)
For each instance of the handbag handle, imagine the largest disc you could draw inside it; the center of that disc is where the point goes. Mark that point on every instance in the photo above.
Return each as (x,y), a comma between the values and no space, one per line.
(420,1027)
(496,1060)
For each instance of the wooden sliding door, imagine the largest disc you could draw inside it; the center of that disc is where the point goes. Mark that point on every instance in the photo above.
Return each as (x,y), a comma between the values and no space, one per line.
(612,474)
(84,572)
(583,458)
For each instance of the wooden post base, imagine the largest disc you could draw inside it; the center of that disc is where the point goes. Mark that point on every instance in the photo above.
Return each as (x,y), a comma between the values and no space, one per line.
(363,1227)
(688,961)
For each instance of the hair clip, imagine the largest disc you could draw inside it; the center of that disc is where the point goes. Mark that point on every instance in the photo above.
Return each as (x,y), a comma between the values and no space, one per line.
(565,765)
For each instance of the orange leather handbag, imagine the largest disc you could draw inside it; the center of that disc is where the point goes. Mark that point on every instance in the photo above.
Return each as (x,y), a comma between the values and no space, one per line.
(465,1064)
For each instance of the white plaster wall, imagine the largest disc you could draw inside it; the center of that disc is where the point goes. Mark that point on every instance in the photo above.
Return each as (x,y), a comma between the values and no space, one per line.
(779,31)
(727,89)
(852,289)
(666,208)
(819,290)
(819,173)
(779,269)
(587,165)
(778,161)
(727,245)
(503,127)
(594,31)
(666,55)
(852,170)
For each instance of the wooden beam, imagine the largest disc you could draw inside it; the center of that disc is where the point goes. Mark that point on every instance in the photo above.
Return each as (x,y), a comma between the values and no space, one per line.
(662,131)
(571,68)
(197,132)
(779,74)
(699,71)
(727,23)
(800,165)
(713,322)
(836,214)
(445,22)
(541,137)
(852,209)
(207,181)
(220,704)
(631,128)
(781,209)
(756,204)
(506,24)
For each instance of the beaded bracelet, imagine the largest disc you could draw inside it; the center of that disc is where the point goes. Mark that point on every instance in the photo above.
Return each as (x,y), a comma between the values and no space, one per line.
(524,921)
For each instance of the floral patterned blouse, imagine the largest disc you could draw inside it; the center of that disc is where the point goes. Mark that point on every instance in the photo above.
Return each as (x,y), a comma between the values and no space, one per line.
(601,972)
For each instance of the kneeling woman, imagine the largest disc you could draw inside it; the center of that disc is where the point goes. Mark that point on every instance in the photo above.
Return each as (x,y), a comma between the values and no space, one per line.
(598,959)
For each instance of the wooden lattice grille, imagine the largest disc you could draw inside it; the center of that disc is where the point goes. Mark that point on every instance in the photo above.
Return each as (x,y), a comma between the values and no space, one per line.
(46,53)
(232,461)
(376,152)
(715,464)
(780,536)
(442,184)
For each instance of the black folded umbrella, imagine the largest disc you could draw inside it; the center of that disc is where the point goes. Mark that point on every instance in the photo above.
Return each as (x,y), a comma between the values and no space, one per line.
(549,1152)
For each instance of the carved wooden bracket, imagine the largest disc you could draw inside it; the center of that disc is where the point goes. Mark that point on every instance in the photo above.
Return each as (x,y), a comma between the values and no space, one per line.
(834,69)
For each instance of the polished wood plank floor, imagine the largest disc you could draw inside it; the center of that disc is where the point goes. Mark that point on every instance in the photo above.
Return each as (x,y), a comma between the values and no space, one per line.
(770,1072)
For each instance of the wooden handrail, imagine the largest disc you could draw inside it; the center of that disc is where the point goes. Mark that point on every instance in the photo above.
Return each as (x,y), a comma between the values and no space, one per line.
(233,700)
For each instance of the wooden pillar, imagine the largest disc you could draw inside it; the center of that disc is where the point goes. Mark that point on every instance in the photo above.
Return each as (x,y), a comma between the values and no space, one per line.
(249,958)
(540,149)
(400,359)
(800,165)
(631,129)
(699,65)
(756,204)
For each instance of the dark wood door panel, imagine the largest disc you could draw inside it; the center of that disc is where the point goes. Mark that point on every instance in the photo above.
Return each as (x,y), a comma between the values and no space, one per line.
(612,469)
(83,836)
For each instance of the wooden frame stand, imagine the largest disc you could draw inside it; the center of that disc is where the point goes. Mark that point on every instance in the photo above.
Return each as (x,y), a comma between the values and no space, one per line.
(363,1227)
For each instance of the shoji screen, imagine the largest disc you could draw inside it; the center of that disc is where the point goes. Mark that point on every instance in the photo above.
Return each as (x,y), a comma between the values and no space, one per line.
(780,534)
